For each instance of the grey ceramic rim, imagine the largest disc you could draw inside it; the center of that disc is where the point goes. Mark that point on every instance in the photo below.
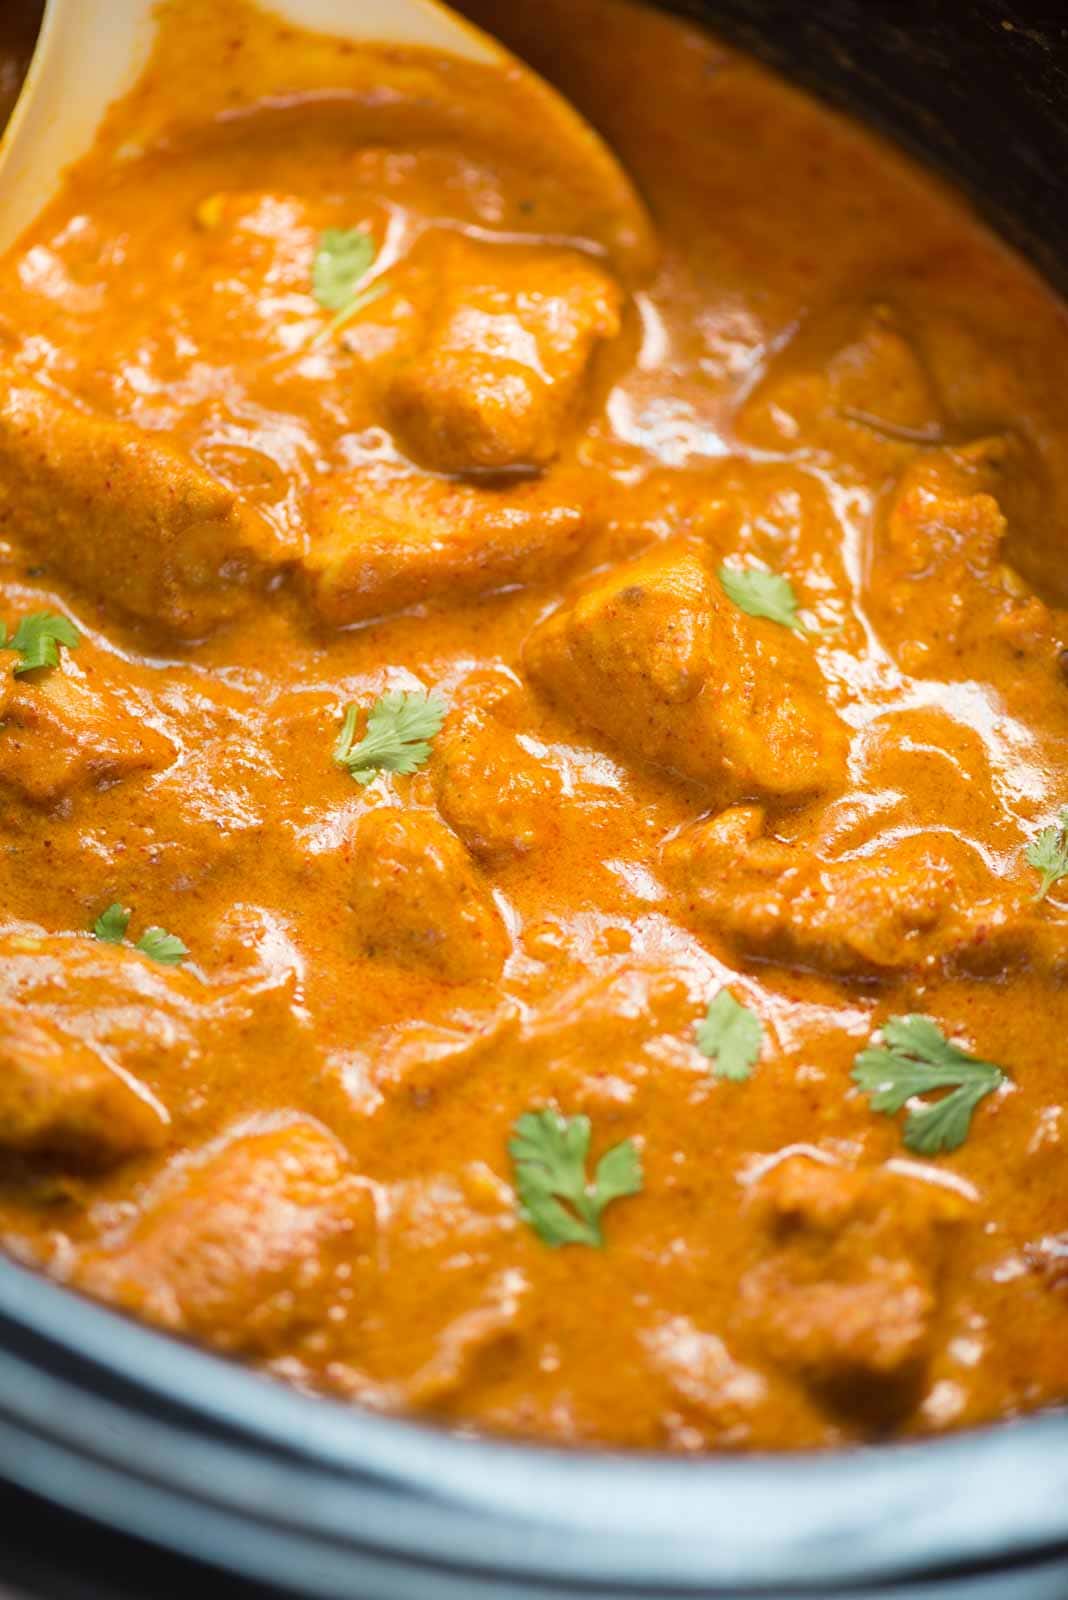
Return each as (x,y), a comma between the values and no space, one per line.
(207,1459)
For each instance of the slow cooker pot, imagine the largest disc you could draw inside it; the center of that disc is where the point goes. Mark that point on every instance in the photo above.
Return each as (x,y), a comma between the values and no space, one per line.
(133,1466)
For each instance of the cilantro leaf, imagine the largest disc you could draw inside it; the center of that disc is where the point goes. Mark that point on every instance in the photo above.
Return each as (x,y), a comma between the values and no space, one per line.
(1048,854)
(761,594)
(731,1036)
(915,1059)
(111,925)
(343,257)
(37,639)
(549,1154)
(158,945)
(342,260)
(399,727)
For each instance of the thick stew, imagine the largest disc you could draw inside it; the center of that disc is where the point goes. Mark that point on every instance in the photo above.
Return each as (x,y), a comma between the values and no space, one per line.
(533,783)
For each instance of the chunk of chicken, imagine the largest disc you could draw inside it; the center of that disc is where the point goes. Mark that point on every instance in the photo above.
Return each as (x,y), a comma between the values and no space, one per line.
(133,1011)
(655,657)
(705,1381)
(124,514)
(496,796)
(495,378)
(945,596)
(147,1023)
(382,539)
(245,1248)
(870,400)
(916,900)
(60,1097)
(594,1041)
(420,902)
(846,1292)
(421,1058)
(64,731)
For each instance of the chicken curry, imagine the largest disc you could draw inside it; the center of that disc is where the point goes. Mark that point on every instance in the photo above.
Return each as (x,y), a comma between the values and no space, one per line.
(533,774)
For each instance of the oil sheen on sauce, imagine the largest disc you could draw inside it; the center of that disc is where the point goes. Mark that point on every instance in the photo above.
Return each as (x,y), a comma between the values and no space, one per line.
(512,480)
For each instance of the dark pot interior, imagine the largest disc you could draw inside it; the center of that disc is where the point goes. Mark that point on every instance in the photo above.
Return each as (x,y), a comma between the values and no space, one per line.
(127,1458)
(978,91)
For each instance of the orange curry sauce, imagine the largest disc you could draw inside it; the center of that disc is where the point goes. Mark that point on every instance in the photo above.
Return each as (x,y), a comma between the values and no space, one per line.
(513,478)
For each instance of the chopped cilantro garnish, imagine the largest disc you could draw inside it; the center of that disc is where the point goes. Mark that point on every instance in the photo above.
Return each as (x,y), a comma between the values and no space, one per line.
(158,945)
(916,1059)
(396,739)
(112,923)
(1048,854)
(761,594)
(37,639)
(343,257)
(730,1035)
(549,1154)
(342,260)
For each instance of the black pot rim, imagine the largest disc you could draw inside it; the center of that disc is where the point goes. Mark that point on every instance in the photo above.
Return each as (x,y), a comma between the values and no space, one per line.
(206,1459)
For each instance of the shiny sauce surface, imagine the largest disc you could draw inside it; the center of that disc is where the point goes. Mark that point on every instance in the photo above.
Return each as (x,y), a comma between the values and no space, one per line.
(514,480)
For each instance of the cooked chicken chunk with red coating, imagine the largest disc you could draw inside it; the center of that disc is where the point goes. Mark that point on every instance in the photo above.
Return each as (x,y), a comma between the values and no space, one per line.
(497,797)
(384,539)
(916,900)
(247,1247)
(655,657)
(946,597)
(129,518)
(873,398)
(496,377)
(64,730)
(155,1024)
(62,1098)
(847,1291)
(419,901)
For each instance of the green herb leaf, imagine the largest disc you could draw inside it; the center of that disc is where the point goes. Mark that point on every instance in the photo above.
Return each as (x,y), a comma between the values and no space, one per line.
(399,726)
(37,639)
(549,1154)
(343,258)
(111,925)
(731,1036)
(161,946)
(342,261)
(761,594)
(156,943)
(916,1059)
(1048,854)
